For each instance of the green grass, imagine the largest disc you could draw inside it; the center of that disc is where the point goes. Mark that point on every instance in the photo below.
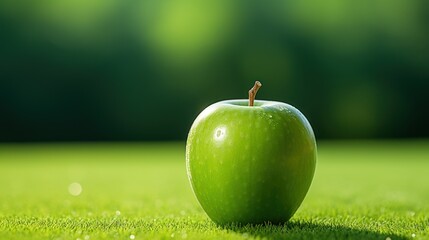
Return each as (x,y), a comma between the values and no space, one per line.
(361,190)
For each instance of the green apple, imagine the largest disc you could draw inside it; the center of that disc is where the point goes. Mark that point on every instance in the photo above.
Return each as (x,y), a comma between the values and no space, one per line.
(250,161)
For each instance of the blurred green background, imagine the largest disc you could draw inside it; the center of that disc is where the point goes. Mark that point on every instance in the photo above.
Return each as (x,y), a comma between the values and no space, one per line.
(76,70)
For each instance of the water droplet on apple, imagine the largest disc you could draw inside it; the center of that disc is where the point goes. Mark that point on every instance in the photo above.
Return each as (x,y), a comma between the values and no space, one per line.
(220,133)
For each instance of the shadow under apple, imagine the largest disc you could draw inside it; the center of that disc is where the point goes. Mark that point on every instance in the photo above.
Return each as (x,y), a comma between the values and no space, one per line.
(303,230)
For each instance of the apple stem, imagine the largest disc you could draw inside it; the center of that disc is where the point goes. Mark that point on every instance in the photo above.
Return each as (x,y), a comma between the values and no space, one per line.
(253,91)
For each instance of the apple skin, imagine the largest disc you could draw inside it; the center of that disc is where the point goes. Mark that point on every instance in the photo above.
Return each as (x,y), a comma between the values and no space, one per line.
(250,165)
